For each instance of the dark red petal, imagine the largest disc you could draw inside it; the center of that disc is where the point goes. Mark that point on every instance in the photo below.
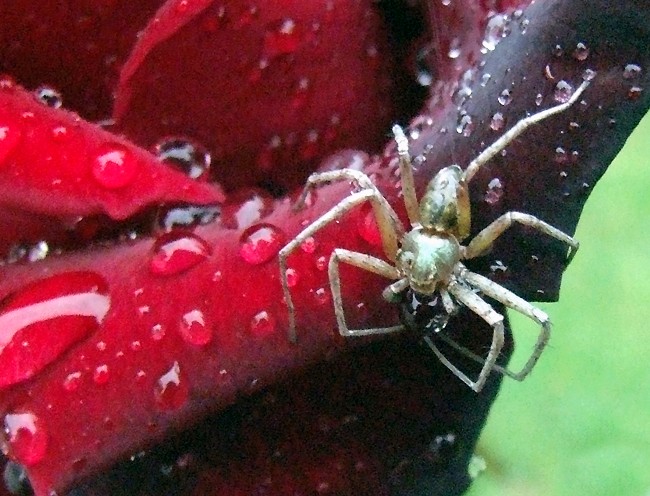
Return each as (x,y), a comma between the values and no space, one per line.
(268,87)
(56,164)
(77,47)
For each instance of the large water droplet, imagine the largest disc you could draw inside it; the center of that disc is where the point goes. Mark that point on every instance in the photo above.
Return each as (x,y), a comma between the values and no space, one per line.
(262,324)
(193,328)
(26,437)
(186,155)
(260,243)
(9,139)
(186,216)
(49,96)
(113,166)
(45,318)
(171,390)
(177,251)
(282,38)
(634,93)
(562,92)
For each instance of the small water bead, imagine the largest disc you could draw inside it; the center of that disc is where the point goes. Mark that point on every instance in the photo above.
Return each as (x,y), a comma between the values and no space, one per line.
(100,374)
(177,251)
(485,78)
(465,125)
(322,296)
(309,245)
(186,216)
(113,166)
(193,328)
(562,92)
(157,332)
(260,243)
(321,263)
(282,38)
(505,97)
(497,122)
(581,52)
(171,389)
(631,71)
(45,318)
(9,139)
(561,156)
(292,277)
(72,381)
(558,51)
(49,96)
(186,155)
(494,191)
(634,93)
(26,437)
(262,324)
(539,99)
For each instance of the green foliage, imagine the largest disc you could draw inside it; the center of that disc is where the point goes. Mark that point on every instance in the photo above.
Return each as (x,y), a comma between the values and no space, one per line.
(580,424)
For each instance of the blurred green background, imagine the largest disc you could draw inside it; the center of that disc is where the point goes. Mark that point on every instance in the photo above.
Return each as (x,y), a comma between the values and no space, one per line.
(580,423)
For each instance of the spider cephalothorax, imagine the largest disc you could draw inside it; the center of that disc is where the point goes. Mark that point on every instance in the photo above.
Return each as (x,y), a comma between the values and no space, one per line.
(428,257)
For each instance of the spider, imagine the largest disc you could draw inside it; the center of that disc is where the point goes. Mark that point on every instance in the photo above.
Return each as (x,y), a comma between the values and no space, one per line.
(428,258)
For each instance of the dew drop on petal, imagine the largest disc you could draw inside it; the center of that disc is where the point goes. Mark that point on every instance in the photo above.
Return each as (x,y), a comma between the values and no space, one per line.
(282,38)
(100,374)
(49,96)
(494,191)
(171,389)
(322,296)
(186,155)
(157,332)
(26,437)
(193,328)
(581,52)
(45,318)
(262,324)
(309,245)
(292,277)
(9,139)
(177,251)
(465,125)
(561,156)
(562,92)
(631,71)
(72,381)
(113,166)
(497,121)
(260,243)
(505,97)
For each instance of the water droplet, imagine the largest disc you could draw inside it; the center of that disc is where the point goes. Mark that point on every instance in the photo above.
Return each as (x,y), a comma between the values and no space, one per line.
(292,277)
(300,94)
(561,156)
(260,243)
(505,97)
(558,51)
(494,191)
(581,52)
(485,78)
(100,374)
(498,27)
(171,391)
(321,263)
(72,381)
(157,332)
(497,122)
(186,216)
(562,92)
(282,38)
(262,324)
(634,92)
(193,328)
(9,139)
(177,251)
(309,245)
(26,437)
(454,48)
(588,75)
(322,296)
(43,319)
(465,125)
(539,99)
(186,155)
(49,96)
(631,71)
(114,167)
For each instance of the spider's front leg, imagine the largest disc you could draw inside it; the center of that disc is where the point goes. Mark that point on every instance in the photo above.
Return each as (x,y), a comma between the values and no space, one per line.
(390,227)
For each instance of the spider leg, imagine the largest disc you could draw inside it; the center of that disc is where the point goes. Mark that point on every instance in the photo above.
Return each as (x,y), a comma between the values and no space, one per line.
(514,132)
(365,262)
(390,227)
(345,205)
(406,176)
(474,302)
(483,240)
(511,300)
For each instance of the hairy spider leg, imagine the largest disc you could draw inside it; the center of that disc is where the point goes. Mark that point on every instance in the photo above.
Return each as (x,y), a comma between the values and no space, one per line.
(484,310)
(515,131)
(389,223)
(365,262)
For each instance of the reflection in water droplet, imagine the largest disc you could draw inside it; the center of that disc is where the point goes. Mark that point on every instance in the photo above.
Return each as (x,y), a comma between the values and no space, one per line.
(588,74)
(113,166)
(321,263)
(322,296)
(562,92)
(157,332)
(581,52)
(38,251)
(176,252)
(631,71)
(45,318)
(186,155)
(561,156)
(494,191)
(49,96)
(485,78)
(26,437)
(260,243)
(539,99)
(245,208)
(309,245)
(262,324)
(171,390)
(193,328)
